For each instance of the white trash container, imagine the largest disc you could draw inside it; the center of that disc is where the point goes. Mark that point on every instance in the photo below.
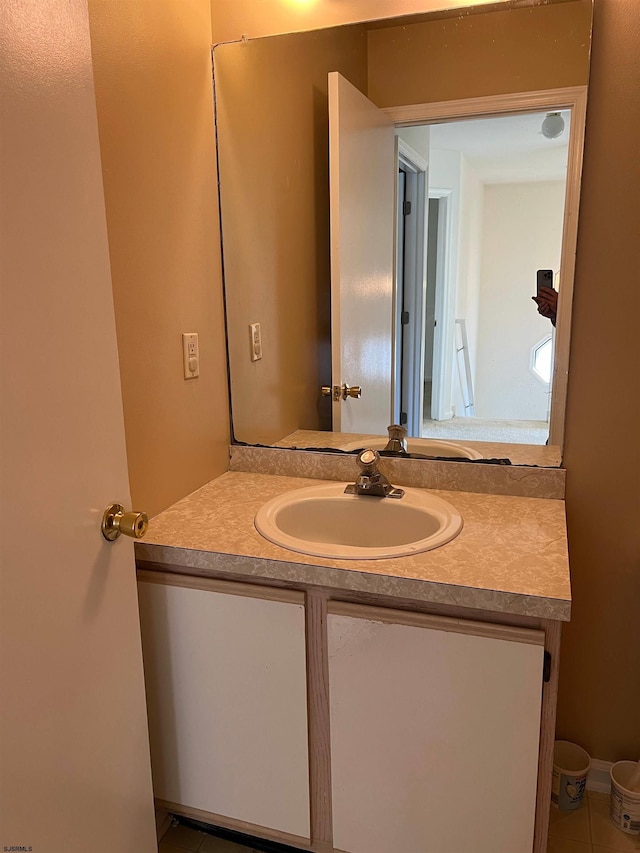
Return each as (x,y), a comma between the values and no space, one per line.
(570,767)
(625,804)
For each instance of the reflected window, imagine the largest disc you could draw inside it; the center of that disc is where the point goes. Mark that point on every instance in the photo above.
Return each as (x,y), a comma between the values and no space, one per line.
(542,359)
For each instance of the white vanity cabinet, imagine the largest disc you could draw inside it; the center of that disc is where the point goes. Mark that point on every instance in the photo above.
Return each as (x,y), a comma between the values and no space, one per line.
(225,673)
(434,732)
(344,727)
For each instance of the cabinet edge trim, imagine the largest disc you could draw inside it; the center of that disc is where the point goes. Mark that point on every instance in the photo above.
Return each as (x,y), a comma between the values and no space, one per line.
(241,588)
(531,636)
(235,824)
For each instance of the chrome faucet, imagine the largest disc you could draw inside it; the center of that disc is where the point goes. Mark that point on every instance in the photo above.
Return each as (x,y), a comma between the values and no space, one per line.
(397,439)
(371,482)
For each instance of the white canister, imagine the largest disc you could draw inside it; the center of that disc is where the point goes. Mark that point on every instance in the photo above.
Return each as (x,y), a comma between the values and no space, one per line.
(625,804)
(570,767)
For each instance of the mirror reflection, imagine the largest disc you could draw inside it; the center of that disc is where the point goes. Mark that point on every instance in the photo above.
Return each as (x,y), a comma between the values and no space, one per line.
(415,276)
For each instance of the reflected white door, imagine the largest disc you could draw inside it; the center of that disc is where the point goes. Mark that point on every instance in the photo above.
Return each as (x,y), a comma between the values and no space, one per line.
(74,745)
(362,207)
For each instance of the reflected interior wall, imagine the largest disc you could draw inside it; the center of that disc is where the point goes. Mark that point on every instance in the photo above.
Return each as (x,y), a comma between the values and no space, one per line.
(522,233)
(273,134)
(505,51)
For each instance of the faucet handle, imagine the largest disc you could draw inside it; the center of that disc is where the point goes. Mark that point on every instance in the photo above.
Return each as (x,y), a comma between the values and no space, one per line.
(368,461)
(397,441)
(371,481)
(397,431)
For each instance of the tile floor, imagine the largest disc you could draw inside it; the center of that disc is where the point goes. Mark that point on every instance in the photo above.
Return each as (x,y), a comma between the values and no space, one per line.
(589,830)
(586,830)
(183,839)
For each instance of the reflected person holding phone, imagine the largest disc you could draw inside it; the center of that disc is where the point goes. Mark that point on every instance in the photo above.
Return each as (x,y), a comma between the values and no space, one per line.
(546,297)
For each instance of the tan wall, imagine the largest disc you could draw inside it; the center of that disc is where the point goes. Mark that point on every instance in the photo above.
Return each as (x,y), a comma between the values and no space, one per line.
(600,669)
(489,54)
(273,156)
(232,18)
(154,98)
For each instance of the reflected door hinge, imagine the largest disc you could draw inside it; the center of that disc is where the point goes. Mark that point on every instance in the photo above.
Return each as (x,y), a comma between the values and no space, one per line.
(404,318)
(403,417)
(546,668)
(406,208)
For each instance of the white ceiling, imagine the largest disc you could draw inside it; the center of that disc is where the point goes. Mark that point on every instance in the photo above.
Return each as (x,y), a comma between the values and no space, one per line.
(507,149)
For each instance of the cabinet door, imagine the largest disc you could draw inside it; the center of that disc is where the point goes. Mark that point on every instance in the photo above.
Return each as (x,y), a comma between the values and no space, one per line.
(434,734)
(227,698)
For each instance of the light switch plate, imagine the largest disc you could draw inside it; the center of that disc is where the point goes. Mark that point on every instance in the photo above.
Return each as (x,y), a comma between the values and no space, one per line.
(255,341)
(190,355)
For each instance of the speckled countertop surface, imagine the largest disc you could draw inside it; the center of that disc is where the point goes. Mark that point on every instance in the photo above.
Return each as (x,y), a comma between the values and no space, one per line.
(511,556)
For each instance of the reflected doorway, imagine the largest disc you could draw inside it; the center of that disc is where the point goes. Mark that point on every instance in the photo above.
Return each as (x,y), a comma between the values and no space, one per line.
(493,216)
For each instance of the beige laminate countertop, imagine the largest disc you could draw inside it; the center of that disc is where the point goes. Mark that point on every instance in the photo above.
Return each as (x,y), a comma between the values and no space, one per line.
(510,557)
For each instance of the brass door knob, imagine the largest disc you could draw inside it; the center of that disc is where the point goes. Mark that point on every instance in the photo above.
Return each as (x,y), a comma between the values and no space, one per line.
(329,390)
(116,521)
(354,391)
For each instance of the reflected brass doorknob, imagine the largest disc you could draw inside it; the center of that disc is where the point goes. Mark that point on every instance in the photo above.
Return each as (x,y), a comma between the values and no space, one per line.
(341,392)
(351,391)
(116,521)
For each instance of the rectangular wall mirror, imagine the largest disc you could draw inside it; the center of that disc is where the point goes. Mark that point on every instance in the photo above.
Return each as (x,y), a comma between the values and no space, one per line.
(393,194)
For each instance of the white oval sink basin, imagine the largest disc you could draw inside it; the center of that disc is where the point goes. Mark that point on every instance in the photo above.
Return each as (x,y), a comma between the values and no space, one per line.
(426,446)
(325,522)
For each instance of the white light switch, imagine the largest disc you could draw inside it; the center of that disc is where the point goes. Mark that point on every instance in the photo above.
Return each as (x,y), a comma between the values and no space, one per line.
(255,341)
(190,355)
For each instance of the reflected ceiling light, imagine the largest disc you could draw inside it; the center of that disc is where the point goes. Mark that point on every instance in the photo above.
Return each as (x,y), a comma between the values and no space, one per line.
(553,126)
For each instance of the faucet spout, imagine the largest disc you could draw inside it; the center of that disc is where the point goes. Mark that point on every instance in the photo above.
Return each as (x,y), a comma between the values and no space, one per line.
(371,481)
(397,439)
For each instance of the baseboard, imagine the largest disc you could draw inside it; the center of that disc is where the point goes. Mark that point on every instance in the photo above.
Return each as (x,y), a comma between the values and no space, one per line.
(163,822)
(598,778)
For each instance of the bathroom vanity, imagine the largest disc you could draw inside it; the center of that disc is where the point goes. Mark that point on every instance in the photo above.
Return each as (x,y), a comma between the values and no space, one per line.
(401,705)
(364,706)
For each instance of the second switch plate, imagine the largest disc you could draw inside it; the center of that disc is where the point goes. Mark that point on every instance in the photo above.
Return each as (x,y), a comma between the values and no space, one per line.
(255,341)
(190,355)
